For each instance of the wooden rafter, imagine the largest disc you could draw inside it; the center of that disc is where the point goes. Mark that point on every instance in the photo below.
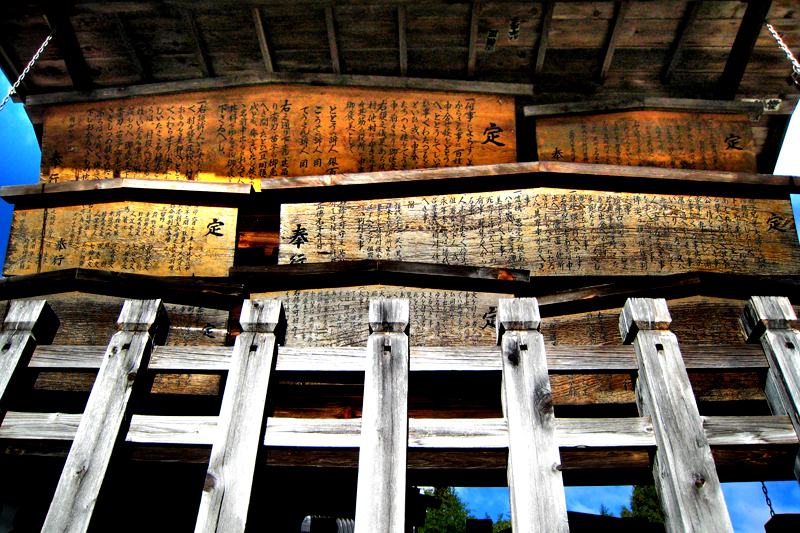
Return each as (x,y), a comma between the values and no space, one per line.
(752,22)
(547,18)
(136,58)
(329,22)
(473,40)
(674,57)
(262,40)
(202,54)
(402,41)
(70,48)
(616,32)
(10,67)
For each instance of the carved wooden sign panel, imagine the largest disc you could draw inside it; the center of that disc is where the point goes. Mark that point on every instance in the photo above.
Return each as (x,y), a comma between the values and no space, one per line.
(136,237)
(650,139)
(551,232)
(253,133)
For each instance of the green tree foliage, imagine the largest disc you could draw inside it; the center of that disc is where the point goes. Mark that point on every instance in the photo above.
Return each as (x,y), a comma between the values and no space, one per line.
(644,504)
(501,523)
(451,517)
(605,511)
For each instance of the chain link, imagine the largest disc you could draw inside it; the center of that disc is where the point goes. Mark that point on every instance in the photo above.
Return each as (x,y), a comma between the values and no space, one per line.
(769,502)
(789,55)
(13,88)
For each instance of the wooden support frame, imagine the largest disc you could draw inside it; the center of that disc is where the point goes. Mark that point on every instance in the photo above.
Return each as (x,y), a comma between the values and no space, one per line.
(536,487)
(266,56)
(541,49)
(676,49)
(136,58)
(70,48)
(200,48)
(683,469)
(472,60)
(330,23)
(402,40)
(616,32)
(742,49)
(102,423)
(226,493)
(381,493)
(771,320)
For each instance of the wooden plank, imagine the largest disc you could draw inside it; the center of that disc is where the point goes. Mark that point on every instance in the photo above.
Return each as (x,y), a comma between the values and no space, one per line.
(634,103)
(136,237)
(475,13)
(535,485)
(199,45)
(749,30)
(684,472)
(402,41)
(381,493)
(330,24)
(15,193)
(67,42)
(613,38)
(106,410)
(650,138)
(245,135)
(584,233)
(136,58)
(226,493)
(262,40)
(771,320)
(693,9)
(541,47)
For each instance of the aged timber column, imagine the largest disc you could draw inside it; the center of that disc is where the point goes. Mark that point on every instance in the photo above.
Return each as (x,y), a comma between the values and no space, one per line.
(536,488)
(28,323)
(229,481)
(381,493)
(770,319)
(127,353)
(683,470)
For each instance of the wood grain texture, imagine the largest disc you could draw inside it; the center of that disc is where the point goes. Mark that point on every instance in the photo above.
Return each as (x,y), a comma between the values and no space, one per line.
(226,493)
(684,471)
(103,417)
(584,233)
(535,484)
(380,497)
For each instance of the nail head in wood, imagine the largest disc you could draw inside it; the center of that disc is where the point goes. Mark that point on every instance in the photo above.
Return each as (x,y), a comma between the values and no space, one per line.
(35,316)
(388,315)
(643,314)
(766,312)
(263,316)
(517,314)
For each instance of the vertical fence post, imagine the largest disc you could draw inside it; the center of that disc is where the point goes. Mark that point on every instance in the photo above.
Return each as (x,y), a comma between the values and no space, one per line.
(28,323)
(381,493)
(102,420)
(229,480)
(684,471)
(770,320)
(536,487)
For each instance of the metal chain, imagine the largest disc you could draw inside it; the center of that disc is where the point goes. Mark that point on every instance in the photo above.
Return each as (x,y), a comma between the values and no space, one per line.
(789,55)
(13,88)
(769,502)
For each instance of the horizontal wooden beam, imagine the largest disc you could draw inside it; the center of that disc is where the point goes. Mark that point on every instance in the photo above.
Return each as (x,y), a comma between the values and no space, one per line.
(752,109)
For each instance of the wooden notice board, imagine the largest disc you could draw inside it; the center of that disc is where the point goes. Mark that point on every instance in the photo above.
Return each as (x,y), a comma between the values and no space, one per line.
(252,133)
(134,237)
(651,139)
(338,317)
(551,232)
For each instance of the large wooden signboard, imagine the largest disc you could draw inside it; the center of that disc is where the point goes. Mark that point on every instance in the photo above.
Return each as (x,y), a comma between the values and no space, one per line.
(552,232)
(248,134)
(338,317)
(650,138)
(137,237)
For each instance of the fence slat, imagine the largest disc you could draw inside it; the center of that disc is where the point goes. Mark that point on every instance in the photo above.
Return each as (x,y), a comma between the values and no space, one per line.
(536,487)
(381,493)
(770,319)
(229,480)
(102,420)
(684,471)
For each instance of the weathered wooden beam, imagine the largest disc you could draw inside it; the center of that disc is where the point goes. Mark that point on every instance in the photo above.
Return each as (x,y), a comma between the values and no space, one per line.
(332,41)
(203,59)
(472,60)
(684,471)
(123,29)
(634,103)
(742,49)
(676,49)
(611,45)
(772,321)
(70,48)
(102,424)
(380,498)
(402,40)
(226,493)
(12,70)
(262,40)
(28,323)
(541,47)
(535,484)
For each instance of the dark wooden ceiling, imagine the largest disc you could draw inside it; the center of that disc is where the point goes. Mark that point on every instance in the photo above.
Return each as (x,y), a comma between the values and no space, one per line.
(549,51)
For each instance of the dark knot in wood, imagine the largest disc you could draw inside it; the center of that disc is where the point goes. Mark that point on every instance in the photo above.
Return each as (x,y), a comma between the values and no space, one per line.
(209,483)
(131,376)
(699,480)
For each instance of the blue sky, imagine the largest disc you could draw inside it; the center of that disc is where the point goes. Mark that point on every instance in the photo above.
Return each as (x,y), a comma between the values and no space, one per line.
(19,164)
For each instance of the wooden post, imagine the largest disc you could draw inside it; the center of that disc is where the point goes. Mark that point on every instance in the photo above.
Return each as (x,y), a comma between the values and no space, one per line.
(771,321)
(229,480)
(536,488)
(107,408)
(684,471)
(28,323)
(381,493)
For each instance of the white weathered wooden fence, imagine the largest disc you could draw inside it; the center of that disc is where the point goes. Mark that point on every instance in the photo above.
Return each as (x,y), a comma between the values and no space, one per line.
(669,421)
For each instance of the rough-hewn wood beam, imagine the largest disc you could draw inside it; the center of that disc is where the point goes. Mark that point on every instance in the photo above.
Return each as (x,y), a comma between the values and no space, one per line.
(616,32)
(541,50)
(473,40)
(329,22)
(262,40)
(676,49)
(70,49)
(752,22)
(202,54)
(402,41)
(12,70)
(136,59)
